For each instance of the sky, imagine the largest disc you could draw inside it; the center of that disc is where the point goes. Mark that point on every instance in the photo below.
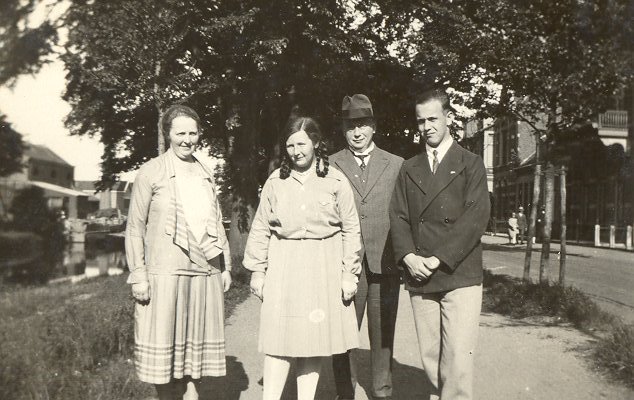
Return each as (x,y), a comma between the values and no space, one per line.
(35,109)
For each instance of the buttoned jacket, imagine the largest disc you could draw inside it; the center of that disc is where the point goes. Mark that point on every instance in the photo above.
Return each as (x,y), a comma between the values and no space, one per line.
(149,236)
(372,200)
(442,215)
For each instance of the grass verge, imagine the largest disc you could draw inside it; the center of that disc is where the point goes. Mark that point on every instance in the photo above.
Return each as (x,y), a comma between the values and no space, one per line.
(614,348)
(74,342)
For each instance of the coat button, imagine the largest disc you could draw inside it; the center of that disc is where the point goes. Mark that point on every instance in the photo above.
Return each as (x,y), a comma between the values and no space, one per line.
(422,220)
(417,249)
(446,220)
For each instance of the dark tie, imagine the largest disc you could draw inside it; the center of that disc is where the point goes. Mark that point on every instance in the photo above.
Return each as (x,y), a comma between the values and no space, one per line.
(362,158)
(434,165)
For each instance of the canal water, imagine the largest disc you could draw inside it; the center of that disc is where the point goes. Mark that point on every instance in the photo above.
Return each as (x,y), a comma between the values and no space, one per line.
(78,261)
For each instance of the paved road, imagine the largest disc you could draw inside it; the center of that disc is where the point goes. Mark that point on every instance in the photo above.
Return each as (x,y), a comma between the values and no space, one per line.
(604,274)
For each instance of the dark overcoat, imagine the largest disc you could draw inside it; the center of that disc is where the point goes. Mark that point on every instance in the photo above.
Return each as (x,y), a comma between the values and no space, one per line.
(442,215)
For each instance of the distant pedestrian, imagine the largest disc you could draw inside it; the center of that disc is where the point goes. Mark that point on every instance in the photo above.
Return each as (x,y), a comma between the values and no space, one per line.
(372,173)
(512,228)
(438,213)
(303,249)
(522,225)
(179,262)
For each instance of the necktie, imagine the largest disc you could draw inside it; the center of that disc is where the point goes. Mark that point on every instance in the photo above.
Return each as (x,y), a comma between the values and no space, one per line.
(434,166)
(362,158)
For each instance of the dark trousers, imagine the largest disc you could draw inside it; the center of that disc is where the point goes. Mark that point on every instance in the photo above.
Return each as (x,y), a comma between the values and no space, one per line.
(380,293)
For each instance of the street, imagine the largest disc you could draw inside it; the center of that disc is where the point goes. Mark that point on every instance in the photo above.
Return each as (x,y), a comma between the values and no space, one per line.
(606,275)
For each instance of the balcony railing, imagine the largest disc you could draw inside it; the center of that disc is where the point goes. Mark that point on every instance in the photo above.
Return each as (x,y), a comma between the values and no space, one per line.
(613,119)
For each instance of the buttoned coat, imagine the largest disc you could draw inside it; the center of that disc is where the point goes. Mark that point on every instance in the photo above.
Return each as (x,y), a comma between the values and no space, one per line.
(372,201)
(442,215)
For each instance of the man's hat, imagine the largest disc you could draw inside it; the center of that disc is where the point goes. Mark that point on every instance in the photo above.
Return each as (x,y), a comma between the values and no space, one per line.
(356,106)
(521,208)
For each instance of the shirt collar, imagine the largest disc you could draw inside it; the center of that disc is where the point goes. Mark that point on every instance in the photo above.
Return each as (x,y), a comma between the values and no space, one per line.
(442,149)
(364,153)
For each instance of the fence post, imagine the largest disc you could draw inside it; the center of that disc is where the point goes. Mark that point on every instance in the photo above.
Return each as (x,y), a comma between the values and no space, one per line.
(612,236)
(628,238)
(597,235)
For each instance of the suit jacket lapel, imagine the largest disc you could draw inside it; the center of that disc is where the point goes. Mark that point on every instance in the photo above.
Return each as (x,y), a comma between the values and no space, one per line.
(448,169)
(376,167)
(350,168)
(420,173)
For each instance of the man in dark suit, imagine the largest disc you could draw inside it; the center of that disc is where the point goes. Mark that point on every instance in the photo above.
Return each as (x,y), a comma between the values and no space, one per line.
(439,211)
(372,173)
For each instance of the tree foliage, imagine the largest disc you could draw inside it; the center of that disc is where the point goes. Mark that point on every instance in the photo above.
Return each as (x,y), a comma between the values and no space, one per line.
(243,65)
(11,149)
(22,46)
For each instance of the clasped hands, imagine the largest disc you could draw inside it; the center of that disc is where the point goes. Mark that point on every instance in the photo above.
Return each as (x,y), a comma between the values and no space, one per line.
(419,267)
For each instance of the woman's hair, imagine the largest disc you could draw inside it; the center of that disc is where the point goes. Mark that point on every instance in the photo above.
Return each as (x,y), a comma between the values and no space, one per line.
(310,126)
(176,110)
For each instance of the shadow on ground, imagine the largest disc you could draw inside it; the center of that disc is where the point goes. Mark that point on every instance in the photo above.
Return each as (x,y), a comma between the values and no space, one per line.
(228,387)
(514,248)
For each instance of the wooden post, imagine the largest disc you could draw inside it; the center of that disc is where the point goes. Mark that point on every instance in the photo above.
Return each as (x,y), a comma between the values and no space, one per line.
(562,253)
(531,223)
(597,235)
(549,202)
(612,236)
(628,238)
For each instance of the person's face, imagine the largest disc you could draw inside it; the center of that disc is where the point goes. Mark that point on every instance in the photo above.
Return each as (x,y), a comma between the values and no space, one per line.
(359,133)
(184,136)
(301,150)
(433,122)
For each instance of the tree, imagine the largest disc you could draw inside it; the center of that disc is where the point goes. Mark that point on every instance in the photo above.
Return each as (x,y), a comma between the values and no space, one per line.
(243,65)
(22,45)
(11,149)
(560,63)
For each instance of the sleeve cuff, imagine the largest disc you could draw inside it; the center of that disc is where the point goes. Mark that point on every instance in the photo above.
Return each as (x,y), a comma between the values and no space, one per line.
(137,276)
(349,277)
(257,275)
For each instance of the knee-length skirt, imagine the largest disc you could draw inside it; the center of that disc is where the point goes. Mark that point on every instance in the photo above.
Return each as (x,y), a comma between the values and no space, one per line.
(180,332)
(303,314)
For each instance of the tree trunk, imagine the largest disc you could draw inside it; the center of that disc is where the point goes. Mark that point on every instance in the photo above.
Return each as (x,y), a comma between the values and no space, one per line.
(562,254)
(534,209)
(159,108)
(549,200)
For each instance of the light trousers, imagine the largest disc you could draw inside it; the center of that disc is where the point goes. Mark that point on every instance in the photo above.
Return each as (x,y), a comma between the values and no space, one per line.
(447,329)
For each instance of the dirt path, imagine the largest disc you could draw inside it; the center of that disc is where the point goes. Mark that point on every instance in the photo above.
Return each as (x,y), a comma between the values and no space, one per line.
(515,360)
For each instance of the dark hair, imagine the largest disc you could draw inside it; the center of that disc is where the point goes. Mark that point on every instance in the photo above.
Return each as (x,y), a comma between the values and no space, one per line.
(177,110)
(435,94)
(311,127)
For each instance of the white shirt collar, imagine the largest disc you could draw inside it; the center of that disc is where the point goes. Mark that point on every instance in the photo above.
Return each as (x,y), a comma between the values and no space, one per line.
(367,153)
(364,153)
(442,149)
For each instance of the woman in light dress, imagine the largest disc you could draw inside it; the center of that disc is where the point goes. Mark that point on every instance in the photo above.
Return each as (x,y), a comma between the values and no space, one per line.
(179,262)
(303,249)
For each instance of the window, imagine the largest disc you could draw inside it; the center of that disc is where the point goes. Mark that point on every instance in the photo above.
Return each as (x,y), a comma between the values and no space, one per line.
(53,173)
(35,171)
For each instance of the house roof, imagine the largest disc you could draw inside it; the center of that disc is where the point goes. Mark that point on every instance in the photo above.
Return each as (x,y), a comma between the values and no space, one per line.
(43,153)
(87,186)
(59,190)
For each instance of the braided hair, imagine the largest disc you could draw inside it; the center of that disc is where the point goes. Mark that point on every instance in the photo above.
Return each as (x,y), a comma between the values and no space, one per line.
(310,126)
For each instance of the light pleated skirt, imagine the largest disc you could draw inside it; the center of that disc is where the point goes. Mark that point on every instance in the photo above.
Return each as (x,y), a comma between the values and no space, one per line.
(302,313)
(181,331)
